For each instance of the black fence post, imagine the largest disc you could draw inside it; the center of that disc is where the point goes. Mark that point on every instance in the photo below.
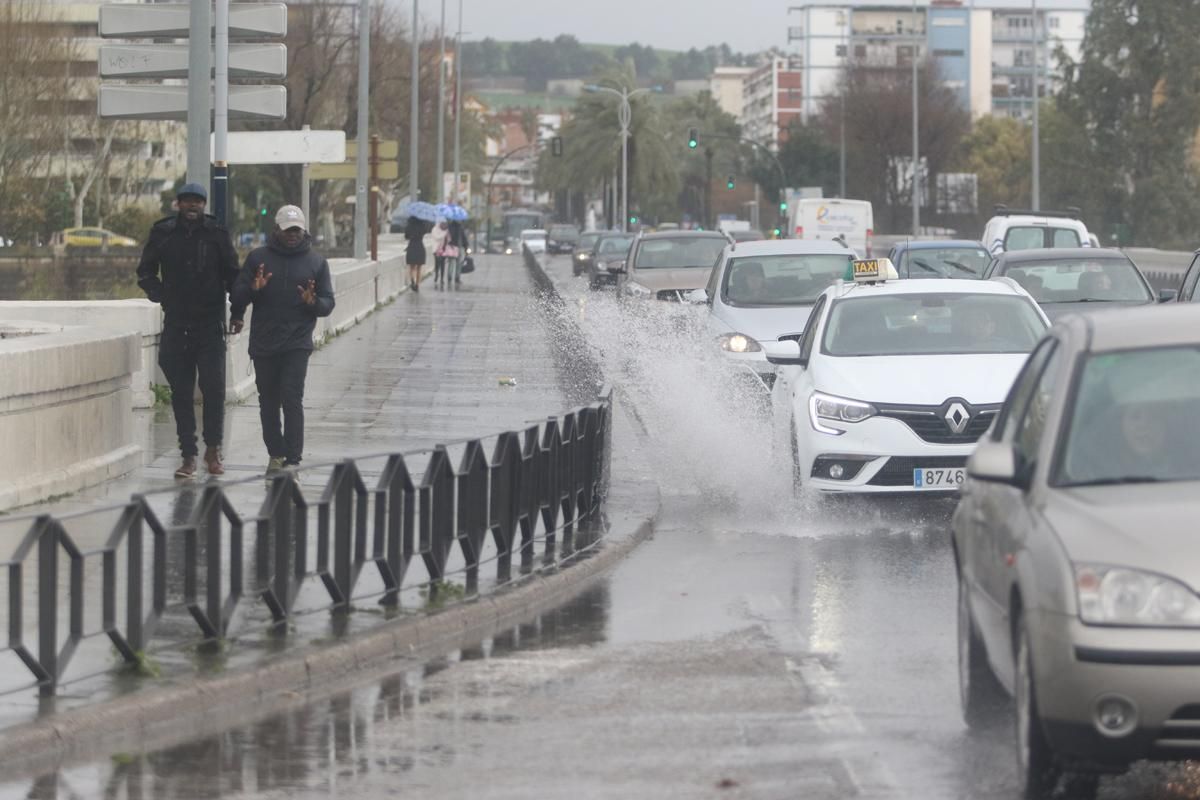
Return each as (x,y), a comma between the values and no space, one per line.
(48,603)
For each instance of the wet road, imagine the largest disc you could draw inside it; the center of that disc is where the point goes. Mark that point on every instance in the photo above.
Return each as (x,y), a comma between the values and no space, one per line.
(759,646)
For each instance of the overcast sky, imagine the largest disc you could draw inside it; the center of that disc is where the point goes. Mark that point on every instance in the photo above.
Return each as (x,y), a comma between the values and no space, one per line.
(747,25)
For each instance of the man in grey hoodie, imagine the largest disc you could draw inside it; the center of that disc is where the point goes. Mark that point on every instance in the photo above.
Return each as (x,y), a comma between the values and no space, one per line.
(289,285)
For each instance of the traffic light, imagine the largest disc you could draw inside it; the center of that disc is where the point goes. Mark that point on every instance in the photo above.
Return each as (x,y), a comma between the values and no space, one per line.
(262,212)
(633,220)
(556,146)
(777,232)
(693,138)
(729,182)
(783,206)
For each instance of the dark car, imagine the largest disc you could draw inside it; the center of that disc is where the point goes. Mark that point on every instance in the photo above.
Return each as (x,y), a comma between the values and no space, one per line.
(945,258)
(608,258)
(1069,280)
(583,251)
(562,238)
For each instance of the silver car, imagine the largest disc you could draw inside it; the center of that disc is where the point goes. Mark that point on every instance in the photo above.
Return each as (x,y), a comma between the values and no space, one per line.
(1077,551)
(760,295)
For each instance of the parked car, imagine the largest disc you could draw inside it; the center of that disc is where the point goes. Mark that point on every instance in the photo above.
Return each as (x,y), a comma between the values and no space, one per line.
(583,252)
(608,258)
(1013,229)
(669,265)
(940,258)
(1075,546)
(533,240)
(760,295)
(1070,280)
(89,238)
(561,238)
(894,381)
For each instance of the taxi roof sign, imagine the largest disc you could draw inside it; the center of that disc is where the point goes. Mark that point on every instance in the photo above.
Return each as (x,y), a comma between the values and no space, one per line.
(873,270)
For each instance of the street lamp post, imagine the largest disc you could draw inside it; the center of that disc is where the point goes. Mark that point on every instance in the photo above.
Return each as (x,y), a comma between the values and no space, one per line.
(441,120)
(1036,154)
(916,159)
(458,105)
(624,117)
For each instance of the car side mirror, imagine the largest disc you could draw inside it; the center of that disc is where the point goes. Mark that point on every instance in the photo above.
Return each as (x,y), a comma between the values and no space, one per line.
(1168,295)
(790,361)
(996,463)
(697,297)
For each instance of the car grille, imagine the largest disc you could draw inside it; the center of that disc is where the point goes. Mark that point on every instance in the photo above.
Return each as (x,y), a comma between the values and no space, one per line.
(1182,730)
(929,422)
(671,295)
(898,471)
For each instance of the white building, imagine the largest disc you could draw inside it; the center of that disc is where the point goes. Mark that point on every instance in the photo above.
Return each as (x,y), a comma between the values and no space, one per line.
(772,99)
(726,88)
(983,48)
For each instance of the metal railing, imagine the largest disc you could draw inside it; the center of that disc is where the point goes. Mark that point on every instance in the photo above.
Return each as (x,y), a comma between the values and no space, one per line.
(536,486)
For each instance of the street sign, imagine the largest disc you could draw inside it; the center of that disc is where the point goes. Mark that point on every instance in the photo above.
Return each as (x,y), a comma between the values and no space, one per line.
(388,148)
(459,194)
(387,171)
(286,147)
(170,20)
(171,61)
(150,101)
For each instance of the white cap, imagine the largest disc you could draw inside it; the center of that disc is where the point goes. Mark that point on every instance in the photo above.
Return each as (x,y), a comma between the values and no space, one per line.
(290,217)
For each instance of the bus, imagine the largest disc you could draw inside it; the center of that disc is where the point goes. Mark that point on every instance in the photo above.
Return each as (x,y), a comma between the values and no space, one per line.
(515,221)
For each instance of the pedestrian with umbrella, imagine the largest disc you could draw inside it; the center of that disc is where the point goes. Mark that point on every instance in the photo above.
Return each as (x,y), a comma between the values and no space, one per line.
(420,217)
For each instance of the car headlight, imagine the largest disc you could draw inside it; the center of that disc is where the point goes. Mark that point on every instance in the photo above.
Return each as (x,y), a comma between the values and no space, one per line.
(738,343)
(637,289)
(508,251)
(826,406)
(1120,596)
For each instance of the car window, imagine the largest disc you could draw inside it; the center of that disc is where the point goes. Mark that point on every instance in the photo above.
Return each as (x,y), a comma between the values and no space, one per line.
(1032,423)
(932,323)
(781,280)
(1065,237)
(948,262)
(1025,238)
(679,253)
(1134,418)
(614,244)
(1188,290)
(1018,396)
(1081,280)
(810,333)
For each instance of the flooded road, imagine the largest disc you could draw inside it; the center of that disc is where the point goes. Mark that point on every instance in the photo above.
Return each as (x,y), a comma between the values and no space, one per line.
(758,646)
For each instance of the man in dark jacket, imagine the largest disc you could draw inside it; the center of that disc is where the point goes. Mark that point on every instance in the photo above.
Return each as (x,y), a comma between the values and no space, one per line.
(290,286)
(188,266)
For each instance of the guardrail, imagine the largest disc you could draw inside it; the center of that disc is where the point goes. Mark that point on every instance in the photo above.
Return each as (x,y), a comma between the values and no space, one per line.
(537,485)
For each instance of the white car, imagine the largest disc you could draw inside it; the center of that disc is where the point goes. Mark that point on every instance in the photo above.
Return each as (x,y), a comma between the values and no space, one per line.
(895,380)
(1011,229)
(534,240)
(760,294)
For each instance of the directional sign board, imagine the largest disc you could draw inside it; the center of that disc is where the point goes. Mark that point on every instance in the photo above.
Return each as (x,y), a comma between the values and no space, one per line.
(387,171)
(128,101)
(287,147)
(170,20)
(388,148)
(171,61)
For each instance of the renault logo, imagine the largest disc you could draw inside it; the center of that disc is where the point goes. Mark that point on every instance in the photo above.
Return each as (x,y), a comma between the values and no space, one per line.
(957,417)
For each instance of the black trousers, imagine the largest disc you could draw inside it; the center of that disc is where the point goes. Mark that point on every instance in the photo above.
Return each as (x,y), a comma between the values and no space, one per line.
(439,267)
(184,351)
(280,380)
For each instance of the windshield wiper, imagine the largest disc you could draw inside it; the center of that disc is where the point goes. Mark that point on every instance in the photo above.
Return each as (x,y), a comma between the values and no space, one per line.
(1122,479)
(1092,300)
(959,266)
(925,266)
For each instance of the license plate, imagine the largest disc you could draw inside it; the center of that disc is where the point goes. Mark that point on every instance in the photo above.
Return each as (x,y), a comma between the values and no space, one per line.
(939,477)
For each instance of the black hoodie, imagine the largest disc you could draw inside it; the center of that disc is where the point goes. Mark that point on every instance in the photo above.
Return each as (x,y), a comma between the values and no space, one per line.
(188,269)
(282,321)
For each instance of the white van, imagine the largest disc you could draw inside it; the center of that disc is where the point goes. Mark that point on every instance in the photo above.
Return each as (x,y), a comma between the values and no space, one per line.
(1012,229)
(828,218)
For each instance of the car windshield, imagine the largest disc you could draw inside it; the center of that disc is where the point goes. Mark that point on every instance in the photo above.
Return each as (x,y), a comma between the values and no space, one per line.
(587,240)
(782,280)
(614,244)
(948,262)
(926,324)
(679,253)
(1134,418)
(564,233)
(1033,237)
(1081,280)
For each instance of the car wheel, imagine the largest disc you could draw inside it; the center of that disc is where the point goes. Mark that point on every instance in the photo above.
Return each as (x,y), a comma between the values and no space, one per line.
(1038,771)
(979,693)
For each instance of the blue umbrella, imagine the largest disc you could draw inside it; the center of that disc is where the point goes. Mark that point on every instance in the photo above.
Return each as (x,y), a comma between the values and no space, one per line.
(457,212)
(421,210)
(445,210)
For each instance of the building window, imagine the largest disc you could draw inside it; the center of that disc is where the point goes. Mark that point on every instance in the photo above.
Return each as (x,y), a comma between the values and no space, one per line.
(860,51)
(1052,22)
(157,150)
(948,53)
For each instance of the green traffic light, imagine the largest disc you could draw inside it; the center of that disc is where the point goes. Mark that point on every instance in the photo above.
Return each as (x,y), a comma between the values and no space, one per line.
(263,212)
(632,220)
(783,205)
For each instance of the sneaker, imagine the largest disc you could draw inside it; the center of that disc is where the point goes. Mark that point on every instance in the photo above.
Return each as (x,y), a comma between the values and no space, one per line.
(275,464)
(187,469)
(291,466)
(212,460)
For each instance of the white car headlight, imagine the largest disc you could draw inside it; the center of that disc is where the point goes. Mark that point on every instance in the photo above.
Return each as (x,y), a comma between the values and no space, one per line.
(738,343)
(1120,596)
(637,289)
(826,406)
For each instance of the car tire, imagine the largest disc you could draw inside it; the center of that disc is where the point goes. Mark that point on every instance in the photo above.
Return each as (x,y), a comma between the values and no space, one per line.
(979,693)
(1038,769)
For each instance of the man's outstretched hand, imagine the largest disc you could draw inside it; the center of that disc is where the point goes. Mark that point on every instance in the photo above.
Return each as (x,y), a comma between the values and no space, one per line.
(308,292)
(260,279)
(235,326)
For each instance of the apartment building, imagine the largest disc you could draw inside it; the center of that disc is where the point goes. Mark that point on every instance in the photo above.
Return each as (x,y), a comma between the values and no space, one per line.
(772,99)
(983,49)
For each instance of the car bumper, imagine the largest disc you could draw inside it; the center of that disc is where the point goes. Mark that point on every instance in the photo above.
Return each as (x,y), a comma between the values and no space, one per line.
(877,456)
(1156,671)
